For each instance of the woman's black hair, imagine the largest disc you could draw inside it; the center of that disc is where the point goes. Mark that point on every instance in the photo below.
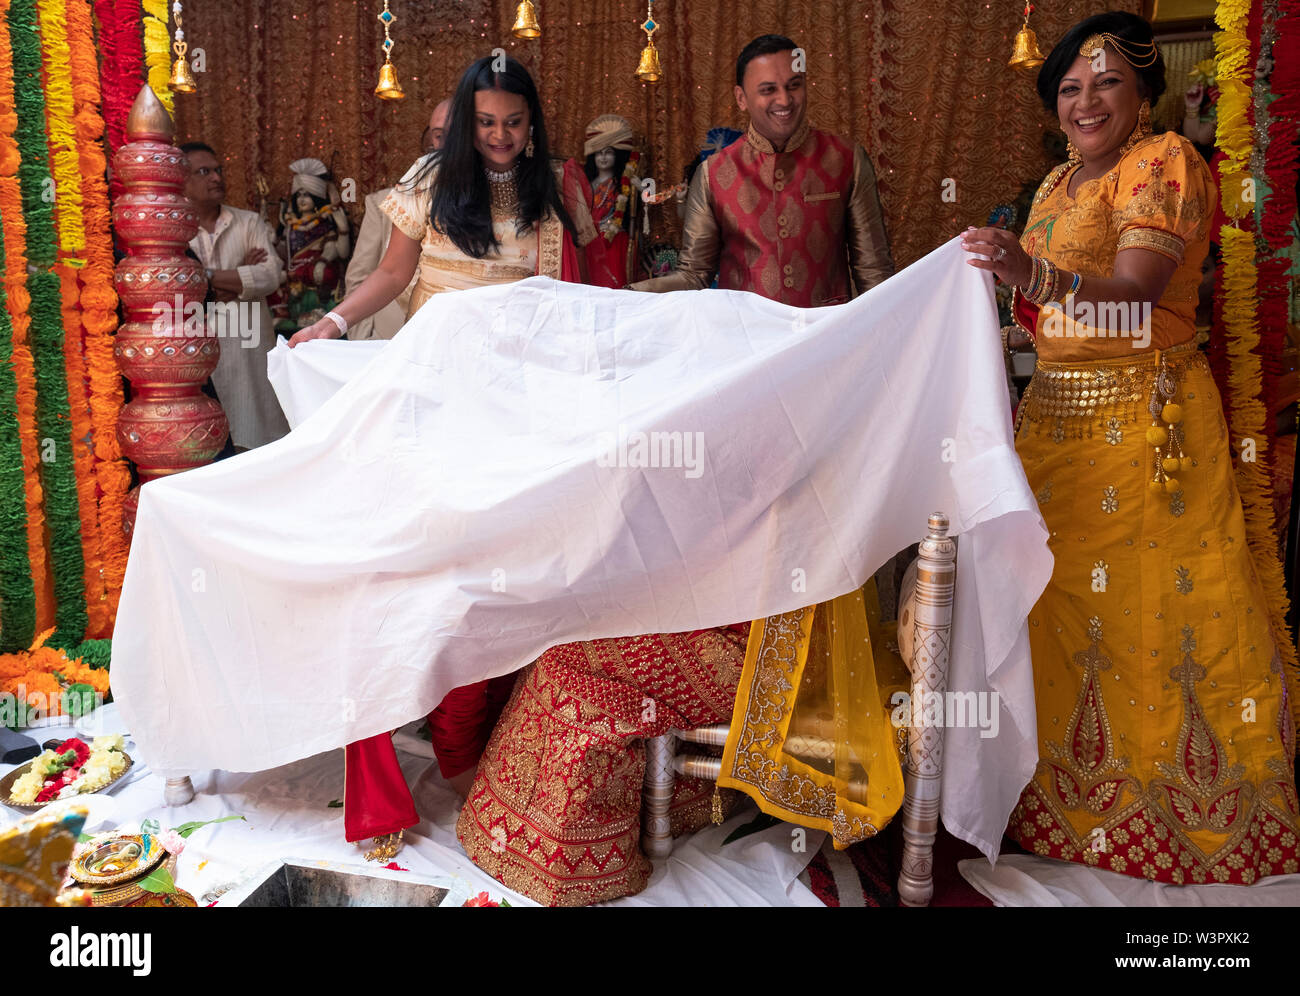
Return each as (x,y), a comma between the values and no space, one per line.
(1124,26)
(621,156)
(461,206)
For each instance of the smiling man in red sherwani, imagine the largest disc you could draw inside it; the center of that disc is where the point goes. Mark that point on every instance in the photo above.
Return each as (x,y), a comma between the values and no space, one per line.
(787,211)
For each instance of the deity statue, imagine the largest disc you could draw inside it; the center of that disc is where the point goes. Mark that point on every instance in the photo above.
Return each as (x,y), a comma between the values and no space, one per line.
(315,238)
(610,201)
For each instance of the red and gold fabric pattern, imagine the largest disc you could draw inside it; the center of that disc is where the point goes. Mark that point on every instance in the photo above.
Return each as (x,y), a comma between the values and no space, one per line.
(555,810)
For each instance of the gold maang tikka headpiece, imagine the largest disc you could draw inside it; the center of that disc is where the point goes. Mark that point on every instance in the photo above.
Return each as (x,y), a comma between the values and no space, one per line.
(1132,52)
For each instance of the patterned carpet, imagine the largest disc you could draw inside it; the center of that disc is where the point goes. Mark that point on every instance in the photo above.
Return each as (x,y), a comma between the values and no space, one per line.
(867,874)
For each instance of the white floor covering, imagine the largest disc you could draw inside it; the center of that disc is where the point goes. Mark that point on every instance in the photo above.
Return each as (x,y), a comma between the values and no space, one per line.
(288,816)
(1030,880)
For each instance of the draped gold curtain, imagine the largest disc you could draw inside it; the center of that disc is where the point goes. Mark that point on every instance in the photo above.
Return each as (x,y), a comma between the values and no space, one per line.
(925,88)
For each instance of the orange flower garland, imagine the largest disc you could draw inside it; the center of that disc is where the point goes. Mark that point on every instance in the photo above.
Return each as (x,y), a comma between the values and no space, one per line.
(47,671)
(18,300)
(99,317)
(71,227)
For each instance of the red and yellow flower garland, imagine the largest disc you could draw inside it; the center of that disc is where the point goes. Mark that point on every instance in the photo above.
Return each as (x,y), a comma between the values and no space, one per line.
(1239,287)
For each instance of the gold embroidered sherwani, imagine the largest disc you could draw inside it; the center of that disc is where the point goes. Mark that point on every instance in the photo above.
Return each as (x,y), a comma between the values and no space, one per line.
(802,226)
(1165,733)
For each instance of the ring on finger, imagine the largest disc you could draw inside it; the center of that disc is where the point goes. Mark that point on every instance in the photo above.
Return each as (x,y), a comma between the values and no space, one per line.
(1001,253)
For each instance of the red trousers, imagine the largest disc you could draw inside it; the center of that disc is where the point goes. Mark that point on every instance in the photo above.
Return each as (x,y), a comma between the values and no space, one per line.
(376,799)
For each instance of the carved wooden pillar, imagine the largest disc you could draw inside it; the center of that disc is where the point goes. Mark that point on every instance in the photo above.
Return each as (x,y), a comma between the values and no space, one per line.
(169,425)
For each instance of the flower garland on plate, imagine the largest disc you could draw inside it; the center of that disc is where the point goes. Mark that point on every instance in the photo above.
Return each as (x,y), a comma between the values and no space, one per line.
(70,224)
(72,769)
(99,315)
(1239,293)
(53,421)
(25,603)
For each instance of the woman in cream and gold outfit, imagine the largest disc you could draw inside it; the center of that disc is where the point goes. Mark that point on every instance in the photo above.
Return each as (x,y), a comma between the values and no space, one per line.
(487,209)
(1165,730)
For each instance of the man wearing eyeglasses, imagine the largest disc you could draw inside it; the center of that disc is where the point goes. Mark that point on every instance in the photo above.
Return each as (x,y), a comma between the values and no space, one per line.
(242,268)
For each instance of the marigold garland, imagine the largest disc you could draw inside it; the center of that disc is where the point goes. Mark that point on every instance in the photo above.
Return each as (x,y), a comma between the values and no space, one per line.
(99,313)
(62,137)
(46,670)
(45,335)
(157,50)
(70,224)
(24,582)
(1239,283)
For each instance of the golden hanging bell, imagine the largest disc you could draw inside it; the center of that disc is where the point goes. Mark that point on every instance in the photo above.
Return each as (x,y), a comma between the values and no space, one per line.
(182,80)
(526,25)
(1025,54)
(389,88)
(649,70)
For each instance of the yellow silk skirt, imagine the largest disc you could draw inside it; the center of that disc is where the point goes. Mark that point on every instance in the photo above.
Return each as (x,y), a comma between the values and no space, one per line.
(1164,723)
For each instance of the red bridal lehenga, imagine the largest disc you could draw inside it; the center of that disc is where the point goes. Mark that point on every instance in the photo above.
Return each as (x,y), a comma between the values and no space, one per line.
(555,809)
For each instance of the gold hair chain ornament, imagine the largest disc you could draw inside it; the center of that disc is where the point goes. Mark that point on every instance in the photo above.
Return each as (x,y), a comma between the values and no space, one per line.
(1132,52)
(388,88)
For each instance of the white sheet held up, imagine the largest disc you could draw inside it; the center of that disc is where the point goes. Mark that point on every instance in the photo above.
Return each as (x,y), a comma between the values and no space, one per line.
(489,486)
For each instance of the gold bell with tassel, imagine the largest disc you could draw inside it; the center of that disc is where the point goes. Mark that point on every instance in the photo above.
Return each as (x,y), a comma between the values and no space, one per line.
(182,79)
(649,69)
(526,25)
(1025,53)
(388,88)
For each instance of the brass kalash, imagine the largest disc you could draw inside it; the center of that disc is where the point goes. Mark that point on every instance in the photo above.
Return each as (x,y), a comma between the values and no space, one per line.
(1025,54)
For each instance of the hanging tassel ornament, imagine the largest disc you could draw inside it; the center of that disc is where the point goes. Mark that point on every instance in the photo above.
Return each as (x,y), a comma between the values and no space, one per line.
(1025,54)
(182,80)
(526,25)
(649,69)
(1165,434)
(388,88)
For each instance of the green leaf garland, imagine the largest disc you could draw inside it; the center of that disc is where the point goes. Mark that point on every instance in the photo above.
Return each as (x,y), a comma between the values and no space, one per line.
(53,419)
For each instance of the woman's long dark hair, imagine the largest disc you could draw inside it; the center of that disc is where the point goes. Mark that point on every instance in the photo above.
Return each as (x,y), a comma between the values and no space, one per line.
(461,206)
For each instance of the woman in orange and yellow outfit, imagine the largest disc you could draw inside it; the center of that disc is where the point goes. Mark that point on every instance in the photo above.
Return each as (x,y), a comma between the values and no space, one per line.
(1166,736)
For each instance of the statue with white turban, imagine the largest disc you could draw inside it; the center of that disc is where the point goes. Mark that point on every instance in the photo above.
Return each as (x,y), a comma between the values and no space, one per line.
(316,241)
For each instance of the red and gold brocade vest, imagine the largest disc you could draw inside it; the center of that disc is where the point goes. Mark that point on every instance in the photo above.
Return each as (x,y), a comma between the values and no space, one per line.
(781,217)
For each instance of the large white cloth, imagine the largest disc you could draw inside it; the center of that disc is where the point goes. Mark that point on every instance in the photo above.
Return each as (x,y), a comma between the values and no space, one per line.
(452,512)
